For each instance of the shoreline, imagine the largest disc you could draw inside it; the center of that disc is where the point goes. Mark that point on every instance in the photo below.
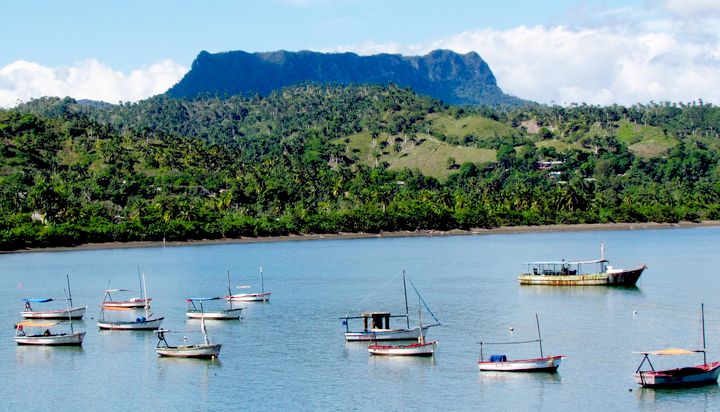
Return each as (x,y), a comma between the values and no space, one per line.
(340,236)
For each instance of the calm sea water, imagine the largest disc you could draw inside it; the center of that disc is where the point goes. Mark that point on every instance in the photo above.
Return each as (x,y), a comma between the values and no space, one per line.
(290,353)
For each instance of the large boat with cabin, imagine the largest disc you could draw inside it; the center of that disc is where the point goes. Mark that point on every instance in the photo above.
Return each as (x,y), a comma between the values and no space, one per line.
(580,273)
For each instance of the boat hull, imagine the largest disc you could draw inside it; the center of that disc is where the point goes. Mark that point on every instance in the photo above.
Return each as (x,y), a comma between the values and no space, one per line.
(151,324)
(627,277)
(417,349)
(700,375)
(384,335)
(230,314)
(249,297)
(74,339)
(190,351)
(549,364)
(62,314)
(132,303)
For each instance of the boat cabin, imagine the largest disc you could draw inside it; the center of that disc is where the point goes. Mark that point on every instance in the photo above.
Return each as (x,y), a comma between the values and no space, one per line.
(376,320)
(563,268)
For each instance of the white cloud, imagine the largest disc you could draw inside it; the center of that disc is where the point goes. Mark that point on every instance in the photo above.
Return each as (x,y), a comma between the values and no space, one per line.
(693,8)
(634,60)
(90,79)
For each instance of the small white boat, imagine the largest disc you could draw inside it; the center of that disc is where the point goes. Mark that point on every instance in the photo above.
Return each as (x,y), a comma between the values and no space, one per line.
(46,338)
(421,348)
(500,363)
(684,377)
(65,313)
(376,325)
(193,312)
(416,349)
(140,323)
(249,297)
(132,303)
(200,350)
(30,313)
(146,322)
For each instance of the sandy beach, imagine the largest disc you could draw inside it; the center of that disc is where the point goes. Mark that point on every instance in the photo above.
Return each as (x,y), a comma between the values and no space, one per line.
(340,236)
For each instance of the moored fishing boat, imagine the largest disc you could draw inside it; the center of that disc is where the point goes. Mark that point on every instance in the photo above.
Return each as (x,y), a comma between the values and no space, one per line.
(46,338)
(376,325)
(421,348)
(132,303)
(193,312)
(200,350)
(66,313)
(146,322)
(576,273)
(500,363)
(30,313)
(684,377)
(261,296)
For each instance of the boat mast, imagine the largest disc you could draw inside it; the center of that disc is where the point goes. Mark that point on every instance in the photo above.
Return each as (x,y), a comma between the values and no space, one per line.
(262,280)
(67,303)
(421,340)
(140,279)
(202,323)
(407,311)
(68,289)
(144,291)
(537,322)
(702,316)
(229,289)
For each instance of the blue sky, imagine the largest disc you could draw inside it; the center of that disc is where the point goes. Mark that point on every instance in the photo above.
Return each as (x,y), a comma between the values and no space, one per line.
(129,33)
(551,51)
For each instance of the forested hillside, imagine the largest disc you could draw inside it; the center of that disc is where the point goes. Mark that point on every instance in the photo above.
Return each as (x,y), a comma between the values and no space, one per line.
(324,159)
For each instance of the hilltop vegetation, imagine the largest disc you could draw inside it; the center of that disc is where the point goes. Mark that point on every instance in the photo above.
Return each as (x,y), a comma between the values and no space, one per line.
(325,159)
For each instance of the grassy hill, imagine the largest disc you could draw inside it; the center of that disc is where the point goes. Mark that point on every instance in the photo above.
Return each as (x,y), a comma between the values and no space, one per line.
(645,141)
(480,127)
(423,152)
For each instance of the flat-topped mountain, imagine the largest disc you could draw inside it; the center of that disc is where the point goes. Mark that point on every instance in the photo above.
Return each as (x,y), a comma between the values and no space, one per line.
(442,74)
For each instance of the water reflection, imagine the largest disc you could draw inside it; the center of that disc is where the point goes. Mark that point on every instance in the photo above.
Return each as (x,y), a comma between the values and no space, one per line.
(45,356)
(708,396)
(533,290)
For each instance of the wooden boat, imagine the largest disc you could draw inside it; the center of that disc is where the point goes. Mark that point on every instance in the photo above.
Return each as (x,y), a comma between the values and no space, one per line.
(421,348)
(500,363)
(140,323)
(376,325)
(132,303)
(30,313)
(47,338)
(249,297)
(136,303)
(571,273)
(146,322)
(193,312)
(684,377)
(201,350)
(66,313)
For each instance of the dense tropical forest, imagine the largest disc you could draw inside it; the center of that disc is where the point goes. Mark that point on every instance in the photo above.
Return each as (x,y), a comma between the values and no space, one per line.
(328,159)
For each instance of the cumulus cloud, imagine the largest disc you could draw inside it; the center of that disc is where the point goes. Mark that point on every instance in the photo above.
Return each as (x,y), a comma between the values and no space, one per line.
(693,8)
(90,79)
(624,61)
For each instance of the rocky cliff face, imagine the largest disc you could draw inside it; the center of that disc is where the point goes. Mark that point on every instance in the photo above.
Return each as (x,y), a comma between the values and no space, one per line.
(443,74)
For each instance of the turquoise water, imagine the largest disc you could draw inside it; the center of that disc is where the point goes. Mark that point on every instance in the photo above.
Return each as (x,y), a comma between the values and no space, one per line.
(290,352)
